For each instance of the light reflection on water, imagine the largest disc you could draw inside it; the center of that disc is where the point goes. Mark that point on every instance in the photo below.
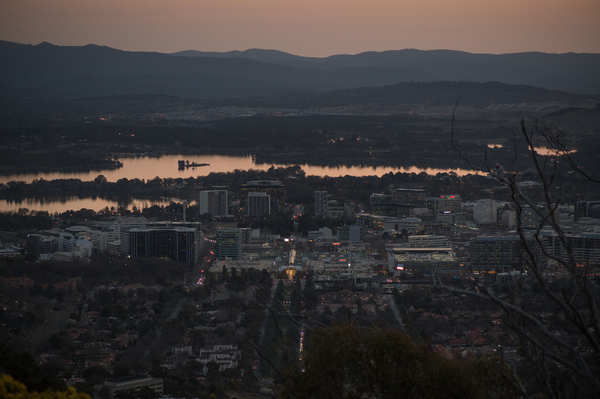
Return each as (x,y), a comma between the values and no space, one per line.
(166,166)
(551,151)
(147,168)
(75,203)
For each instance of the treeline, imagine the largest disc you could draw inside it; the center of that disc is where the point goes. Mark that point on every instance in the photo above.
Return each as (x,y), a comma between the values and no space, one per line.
(101,270)
(349,139)
(395,140)
(25,161)
(299,187)
(24,219)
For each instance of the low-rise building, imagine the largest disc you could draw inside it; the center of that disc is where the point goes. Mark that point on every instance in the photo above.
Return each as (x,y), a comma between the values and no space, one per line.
(135,383)
(226,355)
(404,260)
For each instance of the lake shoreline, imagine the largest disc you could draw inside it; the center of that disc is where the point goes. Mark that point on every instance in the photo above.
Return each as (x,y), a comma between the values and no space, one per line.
(166,166)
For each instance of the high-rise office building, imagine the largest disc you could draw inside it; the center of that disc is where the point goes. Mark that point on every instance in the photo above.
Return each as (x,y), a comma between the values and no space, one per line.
(274,188)
(443,204)
(258,204)
(214,202)
(530,219)
(585,247)
(182,244)
(485,211)
(408,196)
(349,234)
(321,202)
(497,253)
(377,199)
(121,226)
(587,209)
(450,204)
(229,244)
(41,244)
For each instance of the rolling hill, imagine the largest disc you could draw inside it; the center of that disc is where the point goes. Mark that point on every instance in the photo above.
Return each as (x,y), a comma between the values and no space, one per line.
(46,71)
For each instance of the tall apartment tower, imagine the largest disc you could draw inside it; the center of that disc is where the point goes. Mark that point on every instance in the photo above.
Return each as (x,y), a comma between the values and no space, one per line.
(274,188)
(321,207)
(246,234)
(215,202)
(229,244)
(258,204)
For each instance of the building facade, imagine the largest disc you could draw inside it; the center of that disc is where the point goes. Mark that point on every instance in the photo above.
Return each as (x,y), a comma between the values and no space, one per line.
(258,204)
(585,247)
(349,234)
(113,386)
(321,198)
(485,212)
(587,209)
(416,261)
(214,202)
(497,253)
(415,197)
(180,243)
(229,244)
(274,188)
(429,241)
(121,227)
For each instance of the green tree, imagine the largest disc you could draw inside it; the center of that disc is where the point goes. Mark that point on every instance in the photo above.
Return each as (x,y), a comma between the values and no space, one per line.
(126,394)
(147,393)
(349,362)
(22,367)
(224,274)
(103,393)
(13,389)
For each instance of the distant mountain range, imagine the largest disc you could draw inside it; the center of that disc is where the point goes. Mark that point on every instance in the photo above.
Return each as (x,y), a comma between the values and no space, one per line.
(427,94)
(46,71)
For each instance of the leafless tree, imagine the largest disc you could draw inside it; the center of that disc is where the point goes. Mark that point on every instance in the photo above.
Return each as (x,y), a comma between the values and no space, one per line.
(561,364)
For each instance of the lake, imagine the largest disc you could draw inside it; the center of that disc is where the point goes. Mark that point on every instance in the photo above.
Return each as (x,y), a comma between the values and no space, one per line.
(75,203)
(147,168)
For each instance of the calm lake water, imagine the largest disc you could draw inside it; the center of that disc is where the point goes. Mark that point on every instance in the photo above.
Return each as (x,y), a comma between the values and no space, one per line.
(74,203)
(148,168)
(166,166)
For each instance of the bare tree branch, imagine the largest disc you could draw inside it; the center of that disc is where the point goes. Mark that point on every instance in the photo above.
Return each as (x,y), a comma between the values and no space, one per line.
(578,301)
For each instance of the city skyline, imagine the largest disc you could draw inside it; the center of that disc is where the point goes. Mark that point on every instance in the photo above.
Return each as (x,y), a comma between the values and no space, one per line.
(308,28)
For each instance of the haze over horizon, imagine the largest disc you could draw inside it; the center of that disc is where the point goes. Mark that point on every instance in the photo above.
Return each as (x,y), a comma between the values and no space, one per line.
(308,28)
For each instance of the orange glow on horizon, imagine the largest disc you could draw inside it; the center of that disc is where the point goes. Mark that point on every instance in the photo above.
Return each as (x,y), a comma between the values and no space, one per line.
(308,28)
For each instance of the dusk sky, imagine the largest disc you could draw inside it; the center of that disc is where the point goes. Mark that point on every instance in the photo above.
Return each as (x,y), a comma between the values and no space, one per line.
(308,27)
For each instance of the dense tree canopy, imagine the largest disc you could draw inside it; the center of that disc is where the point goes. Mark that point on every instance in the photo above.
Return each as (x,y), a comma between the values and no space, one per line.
(12,389)
(350,362)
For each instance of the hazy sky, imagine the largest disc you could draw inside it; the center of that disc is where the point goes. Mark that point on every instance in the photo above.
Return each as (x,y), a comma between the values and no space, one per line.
(308,27)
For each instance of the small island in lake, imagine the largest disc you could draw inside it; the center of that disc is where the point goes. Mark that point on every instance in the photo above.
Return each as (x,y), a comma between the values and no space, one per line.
(186,164)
